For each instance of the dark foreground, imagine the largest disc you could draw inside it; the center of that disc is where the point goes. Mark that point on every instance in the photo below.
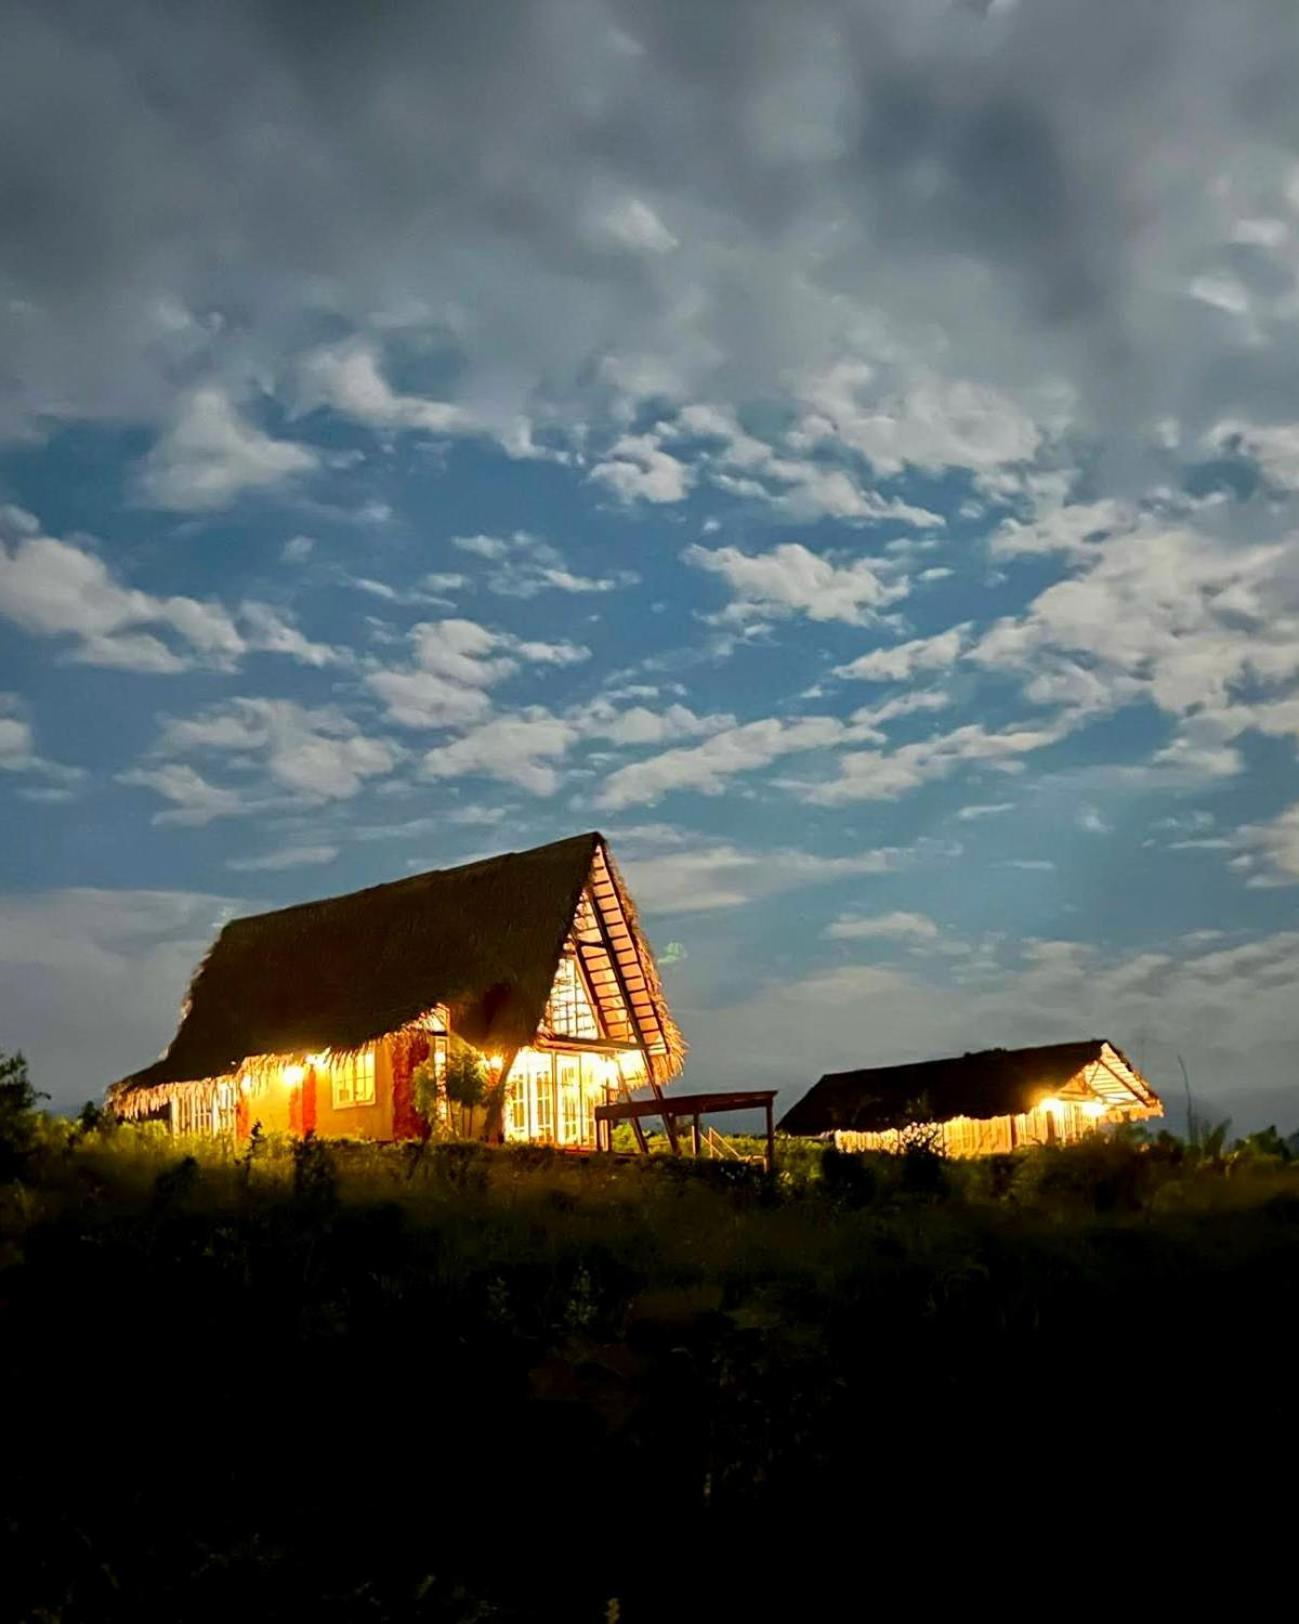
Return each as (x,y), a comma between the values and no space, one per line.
(502,1385)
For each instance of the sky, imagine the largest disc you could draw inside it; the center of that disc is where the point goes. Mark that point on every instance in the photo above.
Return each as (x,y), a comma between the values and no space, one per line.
(848,453)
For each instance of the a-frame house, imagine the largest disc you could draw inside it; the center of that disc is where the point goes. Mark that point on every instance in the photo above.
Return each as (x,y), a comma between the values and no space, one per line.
(315,1017)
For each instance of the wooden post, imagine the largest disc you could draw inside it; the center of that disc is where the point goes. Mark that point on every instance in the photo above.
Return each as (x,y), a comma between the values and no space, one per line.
(771,1141)
(694,1136)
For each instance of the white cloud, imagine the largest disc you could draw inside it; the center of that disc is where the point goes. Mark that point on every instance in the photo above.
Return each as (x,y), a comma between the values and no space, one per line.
(455,663)
(800,487)
(1273,446)
(308,756)
(348,379)
(876,775)
(706,768)
(1173,618)
(194,801)
(673,873)
(55,589)
(904,660)
(288,857)
(636,468)
(1269,852)
(633,224)
(519,749)
(926,422)
(899,926)
(527,566)
(268,631)
(211,455)
(1073,529)
(639,725)
(987,809)
(18,752)
(790,579)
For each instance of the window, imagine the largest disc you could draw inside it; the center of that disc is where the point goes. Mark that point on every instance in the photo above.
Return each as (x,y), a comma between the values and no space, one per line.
(351,1078)
(516,1108)
(543,1100)
(569,1012)
(570,1100)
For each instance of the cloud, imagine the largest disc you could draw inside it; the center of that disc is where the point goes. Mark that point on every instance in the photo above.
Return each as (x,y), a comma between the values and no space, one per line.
(289,857)
(926,422)
(348,379)
(528,566)
(671,873)
(987,809)
(688,219)
(637,469)
(53,588)
(707,768)
(891,927)
(632,224)
(455,663)
(878,775)
(1073,529)
(1269,852)
(1173,618)
(302,756)
(905,660)
(790,579)
(799,486)
(194,801)
(210,455)
(98,976)
(18,752)
(519,749)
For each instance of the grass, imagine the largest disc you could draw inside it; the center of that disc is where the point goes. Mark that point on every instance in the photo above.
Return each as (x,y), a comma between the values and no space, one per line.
(458,1383)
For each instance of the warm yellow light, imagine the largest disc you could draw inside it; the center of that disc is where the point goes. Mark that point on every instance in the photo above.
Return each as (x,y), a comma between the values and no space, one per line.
(245,1085)
(495,1062)
(1051,1105)
(293,1075)
(1095,1108)
(318,1061)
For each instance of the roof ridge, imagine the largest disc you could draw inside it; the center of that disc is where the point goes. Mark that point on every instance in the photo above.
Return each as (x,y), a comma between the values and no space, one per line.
(593,835)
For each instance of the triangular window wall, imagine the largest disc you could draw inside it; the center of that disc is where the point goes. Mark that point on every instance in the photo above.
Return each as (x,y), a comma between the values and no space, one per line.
(569,1010)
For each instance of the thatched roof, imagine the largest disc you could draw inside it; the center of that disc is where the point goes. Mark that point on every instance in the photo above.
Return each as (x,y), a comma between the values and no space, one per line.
(483,939)
(992,1083)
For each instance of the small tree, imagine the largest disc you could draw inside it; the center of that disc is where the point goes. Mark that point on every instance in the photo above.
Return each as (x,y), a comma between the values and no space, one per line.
(463,1083)
(17,1115)
(466,1084)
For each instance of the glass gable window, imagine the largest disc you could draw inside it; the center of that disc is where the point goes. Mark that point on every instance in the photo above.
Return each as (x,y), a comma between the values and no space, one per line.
(569,1013)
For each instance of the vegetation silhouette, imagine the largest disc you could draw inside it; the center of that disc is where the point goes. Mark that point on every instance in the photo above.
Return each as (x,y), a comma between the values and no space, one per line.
(301,1380)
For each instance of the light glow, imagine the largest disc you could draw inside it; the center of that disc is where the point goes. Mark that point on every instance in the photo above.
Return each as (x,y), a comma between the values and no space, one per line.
(1051,1105)
(1095,1108)
(293,1075)
(495,1062)
(318,1061)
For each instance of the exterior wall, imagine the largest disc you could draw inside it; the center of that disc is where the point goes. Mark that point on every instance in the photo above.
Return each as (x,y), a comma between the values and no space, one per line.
(354,1121)
(990,1136)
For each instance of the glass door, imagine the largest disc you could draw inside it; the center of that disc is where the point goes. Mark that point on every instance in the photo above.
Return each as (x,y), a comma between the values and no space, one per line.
(568,1068)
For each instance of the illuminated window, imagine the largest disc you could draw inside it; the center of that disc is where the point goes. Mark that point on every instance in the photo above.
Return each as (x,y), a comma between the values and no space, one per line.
(351,1078)
(569,1013)
(542,1088)
(570,1099)
(516,1111)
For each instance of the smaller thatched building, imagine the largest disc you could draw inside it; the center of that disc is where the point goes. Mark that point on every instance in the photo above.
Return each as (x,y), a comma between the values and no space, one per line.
(978,1104)
(316,1017)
